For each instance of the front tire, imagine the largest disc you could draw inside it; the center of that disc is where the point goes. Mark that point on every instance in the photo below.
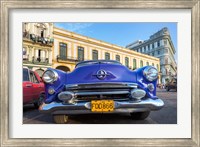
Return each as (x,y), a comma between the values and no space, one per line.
(60,118)
(139,115)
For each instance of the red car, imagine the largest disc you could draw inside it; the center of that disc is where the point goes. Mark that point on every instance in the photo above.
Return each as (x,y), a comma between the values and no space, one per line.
(33,88)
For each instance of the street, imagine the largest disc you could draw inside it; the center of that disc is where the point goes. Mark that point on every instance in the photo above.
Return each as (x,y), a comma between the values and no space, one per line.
(167,115)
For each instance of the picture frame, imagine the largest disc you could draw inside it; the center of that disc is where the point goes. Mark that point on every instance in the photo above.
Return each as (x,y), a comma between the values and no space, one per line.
(6,6)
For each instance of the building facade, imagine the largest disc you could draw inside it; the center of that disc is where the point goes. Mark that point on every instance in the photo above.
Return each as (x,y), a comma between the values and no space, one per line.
(70,48)
(37,46)
(161,46)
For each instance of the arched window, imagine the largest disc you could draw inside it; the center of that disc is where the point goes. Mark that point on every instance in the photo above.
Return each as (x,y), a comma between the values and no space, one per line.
(95,55)
(141,63)
(126,61)
(117,57)
(134,64)
(152,64)
(147,63)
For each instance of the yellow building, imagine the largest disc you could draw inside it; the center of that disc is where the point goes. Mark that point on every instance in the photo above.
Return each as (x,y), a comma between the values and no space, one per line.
(70,48)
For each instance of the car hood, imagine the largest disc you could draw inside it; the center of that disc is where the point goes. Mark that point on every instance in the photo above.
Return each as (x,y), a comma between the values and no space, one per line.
(88,74)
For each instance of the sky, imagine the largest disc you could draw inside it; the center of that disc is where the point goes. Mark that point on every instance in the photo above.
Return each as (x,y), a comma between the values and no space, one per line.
(121,34)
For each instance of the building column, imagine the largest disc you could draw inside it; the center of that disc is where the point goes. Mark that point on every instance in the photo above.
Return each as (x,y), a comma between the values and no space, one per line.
(28,53)
(75,51)
(150,47)
(31,53)
(138,63)
(56,50)
(44,55)
(86,57)
(69,49)
(36,53)
(41,53)
(155,44)
(99,54)
(47,53)
(131,62)
(113,56)
(102,54)
(50,57)
(122,59)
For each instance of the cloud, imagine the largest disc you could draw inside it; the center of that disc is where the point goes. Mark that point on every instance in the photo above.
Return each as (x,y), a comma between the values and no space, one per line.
(74,27)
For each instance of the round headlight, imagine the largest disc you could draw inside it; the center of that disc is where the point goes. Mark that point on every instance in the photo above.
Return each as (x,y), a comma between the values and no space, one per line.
(50,76)
(150,73)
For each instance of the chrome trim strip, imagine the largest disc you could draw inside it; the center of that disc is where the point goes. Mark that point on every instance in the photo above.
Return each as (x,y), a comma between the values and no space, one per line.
(101,85)
(79,108)
(101,93)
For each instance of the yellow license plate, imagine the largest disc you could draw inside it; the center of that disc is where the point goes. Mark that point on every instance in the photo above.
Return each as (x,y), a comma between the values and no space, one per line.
(102,105)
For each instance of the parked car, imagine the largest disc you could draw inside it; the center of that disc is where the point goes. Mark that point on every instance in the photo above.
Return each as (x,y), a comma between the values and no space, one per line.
(171,84)
(33,88)
(100,86)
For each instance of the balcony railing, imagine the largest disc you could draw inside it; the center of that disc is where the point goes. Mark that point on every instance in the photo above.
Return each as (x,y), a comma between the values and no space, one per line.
(69,58)
(37,60)
(37,39)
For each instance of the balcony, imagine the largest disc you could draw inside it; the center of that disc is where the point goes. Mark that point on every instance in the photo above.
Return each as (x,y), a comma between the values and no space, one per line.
(37,60)
(37,39)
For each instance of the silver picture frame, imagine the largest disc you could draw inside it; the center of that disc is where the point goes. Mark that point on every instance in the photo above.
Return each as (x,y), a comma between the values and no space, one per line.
(7,5)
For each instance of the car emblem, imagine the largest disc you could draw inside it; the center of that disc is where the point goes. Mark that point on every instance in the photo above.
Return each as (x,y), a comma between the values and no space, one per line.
(101,74)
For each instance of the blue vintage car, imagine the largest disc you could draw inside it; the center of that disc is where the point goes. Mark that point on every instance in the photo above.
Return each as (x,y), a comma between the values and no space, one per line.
(101,86)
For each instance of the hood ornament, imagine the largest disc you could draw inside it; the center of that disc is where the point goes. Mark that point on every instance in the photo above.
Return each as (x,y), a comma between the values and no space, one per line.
(101,74)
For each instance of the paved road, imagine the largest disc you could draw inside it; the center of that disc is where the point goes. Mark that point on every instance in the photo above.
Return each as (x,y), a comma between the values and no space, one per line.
(167,115)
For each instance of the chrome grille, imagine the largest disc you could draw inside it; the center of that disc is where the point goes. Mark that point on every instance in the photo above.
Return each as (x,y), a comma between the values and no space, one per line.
(98,91)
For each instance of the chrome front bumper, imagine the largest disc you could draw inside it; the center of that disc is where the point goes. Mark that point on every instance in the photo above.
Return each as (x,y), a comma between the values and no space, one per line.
(120,107)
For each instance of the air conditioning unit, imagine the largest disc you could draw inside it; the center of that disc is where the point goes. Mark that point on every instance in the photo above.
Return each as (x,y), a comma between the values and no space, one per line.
(39,39)
(32,37)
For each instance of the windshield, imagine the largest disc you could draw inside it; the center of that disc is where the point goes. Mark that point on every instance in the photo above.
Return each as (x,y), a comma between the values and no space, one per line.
(85,63)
